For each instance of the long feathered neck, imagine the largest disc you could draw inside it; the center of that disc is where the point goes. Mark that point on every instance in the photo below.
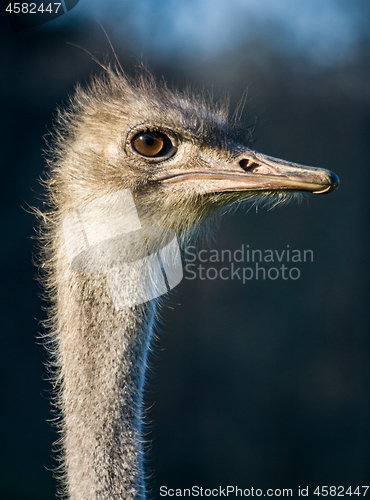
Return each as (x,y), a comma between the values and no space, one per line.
(102,356)
(101,349)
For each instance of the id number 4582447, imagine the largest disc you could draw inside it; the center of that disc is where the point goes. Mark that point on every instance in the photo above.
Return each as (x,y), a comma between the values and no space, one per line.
(340,491)
(32,8)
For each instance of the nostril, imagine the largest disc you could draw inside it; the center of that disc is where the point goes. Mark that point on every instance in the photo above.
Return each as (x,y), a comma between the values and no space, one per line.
(244,164)
(248,165)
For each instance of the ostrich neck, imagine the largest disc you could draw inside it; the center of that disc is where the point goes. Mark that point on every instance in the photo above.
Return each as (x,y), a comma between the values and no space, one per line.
(102,357)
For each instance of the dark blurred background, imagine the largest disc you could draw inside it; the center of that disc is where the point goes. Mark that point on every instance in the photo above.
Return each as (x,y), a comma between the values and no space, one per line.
(263,384)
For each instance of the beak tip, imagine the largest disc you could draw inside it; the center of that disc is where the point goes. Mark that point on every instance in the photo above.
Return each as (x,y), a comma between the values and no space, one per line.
(334,179)
(333,183)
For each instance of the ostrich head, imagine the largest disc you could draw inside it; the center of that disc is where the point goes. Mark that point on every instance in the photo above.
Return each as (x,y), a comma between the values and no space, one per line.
(181,156)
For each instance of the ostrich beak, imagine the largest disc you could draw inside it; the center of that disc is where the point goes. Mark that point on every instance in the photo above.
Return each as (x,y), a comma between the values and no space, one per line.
(255,172)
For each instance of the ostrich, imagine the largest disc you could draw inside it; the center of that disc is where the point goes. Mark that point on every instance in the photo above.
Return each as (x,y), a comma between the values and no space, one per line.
(181,158)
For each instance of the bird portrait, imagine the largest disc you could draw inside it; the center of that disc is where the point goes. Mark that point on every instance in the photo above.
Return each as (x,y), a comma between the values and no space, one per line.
(183,159)
(184,278)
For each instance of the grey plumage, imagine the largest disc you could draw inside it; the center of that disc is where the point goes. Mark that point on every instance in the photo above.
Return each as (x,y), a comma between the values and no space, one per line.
(99,353)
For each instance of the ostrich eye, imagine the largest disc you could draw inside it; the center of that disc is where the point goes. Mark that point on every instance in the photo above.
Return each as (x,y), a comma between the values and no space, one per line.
(151,144)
